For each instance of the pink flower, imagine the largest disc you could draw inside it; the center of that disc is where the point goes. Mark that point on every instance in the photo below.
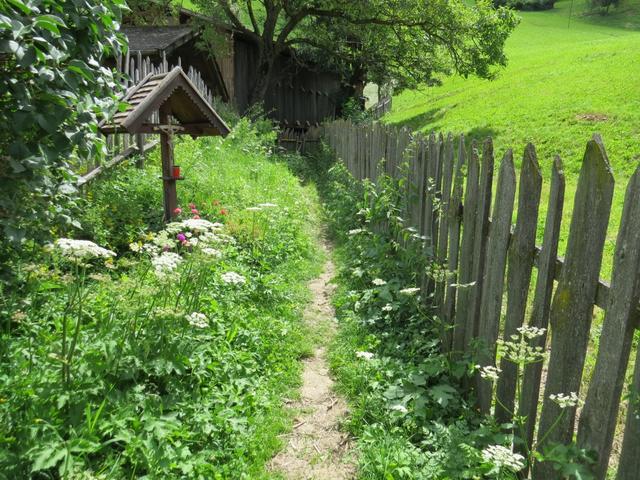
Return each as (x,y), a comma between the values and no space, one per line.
(194,211)
(196,217)
(177,211)
(192,205)
(181,237)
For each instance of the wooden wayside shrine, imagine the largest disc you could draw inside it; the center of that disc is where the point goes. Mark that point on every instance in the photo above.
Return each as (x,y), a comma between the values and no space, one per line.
(182,110)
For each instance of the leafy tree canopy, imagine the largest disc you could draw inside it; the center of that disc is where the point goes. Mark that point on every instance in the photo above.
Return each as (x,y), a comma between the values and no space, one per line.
(53,89)
(404,41)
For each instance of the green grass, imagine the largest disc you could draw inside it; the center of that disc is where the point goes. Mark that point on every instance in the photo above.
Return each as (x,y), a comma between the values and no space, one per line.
(564,82)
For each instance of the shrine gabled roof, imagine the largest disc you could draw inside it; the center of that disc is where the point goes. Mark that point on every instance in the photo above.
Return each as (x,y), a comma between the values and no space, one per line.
(173,91)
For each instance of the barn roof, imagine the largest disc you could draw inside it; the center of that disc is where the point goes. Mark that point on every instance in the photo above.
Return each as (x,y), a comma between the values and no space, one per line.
(173,89)
(154,40)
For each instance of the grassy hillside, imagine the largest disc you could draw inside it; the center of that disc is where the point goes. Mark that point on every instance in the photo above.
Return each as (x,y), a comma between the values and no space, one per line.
(565,80)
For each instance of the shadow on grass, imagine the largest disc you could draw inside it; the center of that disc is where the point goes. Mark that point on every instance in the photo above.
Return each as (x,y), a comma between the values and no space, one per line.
(424,120)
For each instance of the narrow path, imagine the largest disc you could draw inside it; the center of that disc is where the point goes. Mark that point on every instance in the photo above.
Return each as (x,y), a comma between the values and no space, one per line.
(316,448)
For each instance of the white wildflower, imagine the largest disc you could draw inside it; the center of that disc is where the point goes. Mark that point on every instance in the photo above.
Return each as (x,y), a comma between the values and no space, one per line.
(253,209)
(565,401)
(399,408)
(134,247)
(198,225)
(365,355)
(267,205)
(489,372)
(410,291)
(355,231)
(198,320)
(81,249)
(165,263)
(233,278)
(387,308)
(500,457)
(378,281)
(531,332)
(212,252)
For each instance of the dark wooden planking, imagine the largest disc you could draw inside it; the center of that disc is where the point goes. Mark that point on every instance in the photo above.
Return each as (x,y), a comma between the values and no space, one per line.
(493,281)
(480,240)
(454,212)
(600,413)
(437,193)
(521,258)
(443,216)
(546,263)
(572,306)
(629,464)
(465,276)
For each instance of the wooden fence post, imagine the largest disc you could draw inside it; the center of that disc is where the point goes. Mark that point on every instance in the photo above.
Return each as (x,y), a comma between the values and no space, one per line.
(493,278)
(573,302)
(465,276)
(600,413)
(480,240)
(542,299)
(454,221)
(521,256)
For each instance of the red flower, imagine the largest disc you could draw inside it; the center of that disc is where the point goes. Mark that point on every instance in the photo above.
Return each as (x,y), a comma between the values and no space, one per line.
(192,205)
(196,217)
(177,211)
(194,211)
(223,211)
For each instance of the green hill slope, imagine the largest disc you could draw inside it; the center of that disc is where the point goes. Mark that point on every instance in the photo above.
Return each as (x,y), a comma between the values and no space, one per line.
(566,79)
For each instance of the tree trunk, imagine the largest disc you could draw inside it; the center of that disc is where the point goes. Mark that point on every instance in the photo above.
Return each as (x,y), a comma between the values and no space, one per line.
(264,73)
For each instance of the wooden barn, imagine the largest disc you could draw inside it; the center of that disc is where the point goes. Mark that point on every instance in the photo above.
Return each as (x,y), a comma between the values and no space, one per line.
(297,96)
(176,45)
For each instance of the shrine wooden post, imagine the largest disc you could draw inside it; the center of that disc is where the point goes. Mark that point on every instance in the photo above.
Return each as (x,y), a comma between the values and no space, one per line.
(166,151)
(166,103)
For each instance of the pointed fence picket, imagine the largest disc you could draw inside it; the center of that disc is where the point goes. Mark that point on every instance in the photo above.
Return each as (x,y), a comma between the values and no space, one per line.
(449,200)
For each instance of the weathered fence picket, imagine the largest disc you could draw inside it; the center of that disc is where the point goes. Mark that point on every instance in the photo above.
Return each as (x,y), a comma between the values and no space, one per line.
(521,257)
(493,275)
(448,200)
(542,300)
(465,275)
(572,307)
(600,413)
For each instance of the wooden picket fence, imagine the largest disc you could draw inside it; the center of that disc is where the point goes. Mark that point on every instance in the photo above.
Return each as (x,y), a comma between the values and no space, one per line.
(381,107)
(120,146)
(469,230)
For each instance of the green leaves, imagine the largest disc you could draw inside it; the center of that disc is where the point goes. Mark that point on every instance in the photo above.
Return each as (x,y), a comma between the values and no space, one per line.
(55,90)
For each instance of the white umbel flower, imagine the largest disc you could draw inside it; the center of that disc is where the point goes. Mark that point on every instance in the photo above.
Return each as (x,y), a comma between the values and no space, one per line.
(81,249)
(199,225)
(489,372)
(378,281)
(501,457)
(211,252)
(198,320)
(355,231)
(233,278)
(365,355)
(565,400)
(165,263)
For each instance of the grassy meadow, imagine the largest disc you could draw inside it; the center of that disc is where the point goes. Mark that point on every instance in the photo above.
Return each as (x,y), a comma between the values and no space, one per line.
(567,78)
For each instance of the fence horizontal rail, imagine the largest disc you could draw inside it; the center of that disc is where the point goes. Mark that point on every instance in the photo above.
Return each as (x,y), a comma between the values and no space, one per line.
(469,231)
